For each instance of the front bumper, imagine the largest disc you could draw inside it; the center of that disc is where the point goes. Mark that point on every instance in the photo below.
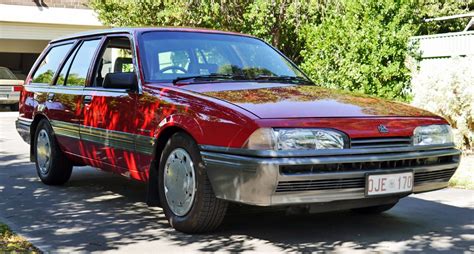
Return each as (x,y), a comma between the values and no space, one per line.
(267,178)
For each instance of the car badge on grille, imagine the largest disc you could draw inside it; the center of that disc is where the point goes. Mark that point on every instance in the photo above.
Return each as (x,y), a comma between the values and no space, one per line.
(382,128)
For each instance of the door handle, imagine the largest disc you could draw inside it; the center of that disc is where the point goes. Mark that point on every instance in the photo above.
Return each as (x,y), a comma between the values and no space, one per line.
(50,97)
(87,99)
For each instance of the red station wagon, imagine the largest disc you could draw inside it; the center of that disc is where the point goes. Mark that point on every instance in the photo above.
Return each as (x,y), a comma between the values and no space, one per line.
(206,118)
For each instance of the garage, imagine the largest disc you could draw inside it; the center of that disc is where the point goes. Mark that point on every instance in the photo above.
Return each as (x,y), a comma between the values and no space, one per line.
(25,31)
(20,55)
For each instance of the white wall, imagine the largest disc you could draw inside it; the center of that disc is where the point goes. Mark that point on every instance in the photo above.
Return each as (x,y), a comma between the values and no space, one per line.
(33,23)
(446,45)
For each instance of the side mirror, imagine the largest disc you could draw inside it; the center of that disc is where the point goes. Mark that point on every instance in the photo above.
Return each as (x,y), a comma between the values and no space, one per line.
(121,80)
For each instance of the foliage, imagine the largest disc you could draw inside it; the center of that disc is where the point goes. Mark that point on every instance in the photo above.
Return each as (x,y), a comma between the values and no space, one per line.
(363,48)
(357,45)
(446,89)
(278,22)
(45,77)
(464,176)
(9,242)
(439,8)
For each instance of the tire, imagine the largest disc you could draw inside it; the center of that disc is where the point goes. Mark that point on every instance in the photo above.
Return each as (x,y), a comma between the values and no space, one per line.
(14,107)
(52,167)
(204,211)
(374,209)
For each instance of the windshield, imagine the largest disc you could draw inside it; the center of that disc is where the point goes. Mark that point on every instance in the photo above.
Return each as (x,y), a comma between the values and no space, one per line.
(169,56)
(6,74)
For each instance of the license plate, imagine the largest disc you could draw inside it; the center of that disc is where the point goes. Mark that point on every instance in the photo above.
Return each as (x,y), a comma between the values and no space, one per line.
(384,184)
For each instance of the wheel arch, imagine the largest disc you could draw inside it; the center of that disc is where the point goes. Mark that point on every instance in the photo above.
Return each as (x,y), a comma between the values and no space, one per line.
(162,138)
(34,125)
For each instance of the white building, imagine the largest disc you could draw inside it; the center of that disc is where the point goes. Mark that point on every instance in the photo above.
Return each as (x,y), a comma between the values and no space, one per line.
(26,26)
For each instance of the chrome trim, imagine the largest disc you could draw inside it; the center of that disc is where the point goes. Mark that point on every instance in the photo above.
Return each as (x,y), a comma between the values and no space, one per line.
(116,139)
(77,89)
(253,179)
(347,158)
(317,153)
(109,90)
(65,129)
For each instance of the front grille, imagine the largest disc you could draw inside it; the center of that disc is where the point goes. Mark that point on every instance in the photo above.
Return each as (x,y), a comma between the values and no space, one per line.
(311,185)
(359,182)
(432,176)
(347,167)
(359,143)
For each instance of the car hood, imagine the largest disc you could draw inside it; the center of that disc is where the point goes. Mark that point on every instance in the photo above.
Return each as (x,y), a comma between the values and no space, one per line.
(297,101)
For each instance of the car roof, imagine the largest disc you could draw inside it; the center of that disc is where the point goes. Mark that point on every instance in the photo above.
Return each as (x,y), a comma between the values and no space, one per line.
(132,30)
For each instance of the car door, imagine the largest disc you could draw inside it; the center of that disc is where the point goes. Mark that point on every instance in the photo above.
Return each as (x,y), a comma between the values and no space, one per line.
(108,125)
(57,102)
(64,101)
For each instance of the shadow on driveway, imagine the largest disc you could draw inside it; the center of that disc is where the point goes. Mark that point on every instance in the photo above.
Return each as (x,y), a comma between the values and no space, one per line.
(99,211)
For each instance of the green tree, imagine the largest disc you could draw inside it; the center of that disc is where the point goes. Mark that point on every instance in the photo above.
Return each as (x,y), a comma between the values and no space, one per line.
(278,22)
(45,77)
(363,47)
(357,45)
(439,8)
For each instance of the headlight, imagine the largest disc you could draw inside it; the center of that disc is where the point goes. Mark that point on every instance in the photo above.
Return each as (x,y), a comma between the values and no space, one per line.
(432,135)
(295,139)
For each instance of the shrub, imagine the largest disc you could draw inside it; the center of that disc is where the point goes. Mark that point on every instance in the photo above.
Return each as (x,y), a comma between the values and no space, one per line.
(357,45)
(444,87)
(278,22)
(362,48)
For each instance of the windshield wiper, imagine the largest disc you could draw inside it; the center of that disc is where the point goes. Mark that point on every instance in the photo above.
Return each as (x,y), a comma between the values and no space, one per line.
(213,76)
(284,78)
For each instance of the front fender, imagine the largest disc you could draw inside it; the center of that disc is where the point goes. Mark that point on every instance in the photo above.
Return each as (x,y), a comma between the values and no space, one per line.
(184,122)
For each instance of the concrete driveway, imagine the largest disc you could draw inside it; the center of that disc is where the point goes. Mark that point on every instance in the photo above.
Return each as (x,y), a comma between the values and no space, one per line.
(98,211)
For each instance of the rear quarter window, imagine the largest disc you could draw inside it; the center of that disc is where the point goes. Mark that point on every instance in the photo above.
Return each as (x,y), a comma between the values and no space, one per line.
(50,63)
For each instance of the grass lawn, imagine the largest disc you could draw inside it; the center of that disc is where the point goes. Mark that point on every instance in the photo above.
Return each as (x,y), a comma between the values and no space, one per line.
(10,242)
(464,176)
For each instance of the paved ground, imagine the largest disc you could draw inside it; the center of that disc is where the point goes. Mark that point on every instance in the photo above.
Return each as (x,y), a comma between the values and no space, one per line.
(98,211)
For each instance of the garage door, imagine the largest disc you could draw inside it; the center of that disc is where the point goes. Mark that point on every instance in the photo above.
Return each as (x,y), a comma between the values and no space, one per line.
(20,55)
(19,63)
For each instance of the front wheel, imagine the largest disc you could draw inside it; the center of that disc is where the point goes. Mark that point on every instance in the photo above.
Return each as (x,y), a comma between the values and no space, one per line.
(186,194)
(52,166)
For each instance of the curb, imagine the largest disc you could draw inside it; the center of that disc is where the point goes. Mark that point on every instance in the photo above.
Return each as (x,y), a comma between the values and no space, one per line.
(40,245)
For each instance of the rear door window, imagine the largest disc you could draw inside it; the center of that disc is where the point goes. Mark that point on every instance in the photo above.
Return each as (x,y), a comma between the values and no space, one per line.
(50,63)
(77,74)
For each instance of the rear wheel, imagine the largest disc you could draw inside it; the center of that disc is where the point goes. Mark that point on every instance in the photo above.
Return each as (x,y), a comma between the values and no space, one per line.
(186,194)
(374,209)
(52,167)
